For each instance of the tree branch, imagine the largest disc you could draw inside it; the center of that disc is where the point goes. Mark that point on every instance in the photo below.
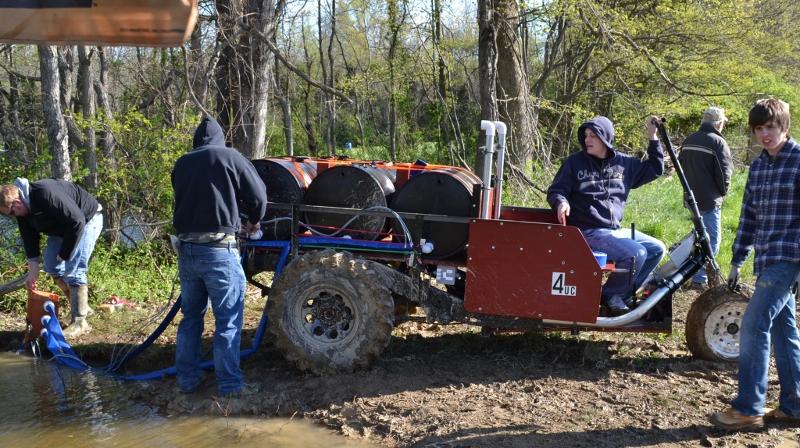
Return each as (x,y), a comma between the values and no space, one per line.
(296,70)
(13,285)
(610,35)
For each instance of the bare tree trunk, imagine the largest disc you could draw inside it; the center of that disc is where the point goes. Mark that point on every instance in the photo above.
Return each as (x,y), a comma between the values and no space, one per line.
(332,79)
(308,124)
(261,83)
(512,84)
(354,95)
(395,23)
(227,75)
(487,69)
(13,100)
(51,103)
(87,102)
(199,80)
(246,69)
(101,93)
(17,134)
(13,81)
(66,67)
(111,206)
(284,100)
(441,76)
(327,98)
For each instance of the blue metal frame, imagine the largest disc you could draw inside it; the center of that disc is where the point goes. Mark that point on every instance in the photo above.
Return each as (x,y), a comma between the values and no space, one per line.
(63,353)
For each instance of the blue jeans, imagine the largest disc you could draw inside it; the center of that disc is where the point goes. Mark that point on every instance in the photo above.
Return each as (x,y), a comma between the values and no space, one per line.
(73,270)
(770,317)
(642,254)
(712,221)
(215,275)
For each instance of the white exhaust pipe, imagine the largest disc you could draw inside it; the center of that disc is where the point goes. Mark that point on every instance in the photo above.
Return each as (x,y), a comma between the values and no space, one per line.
(489,130)
(498,173)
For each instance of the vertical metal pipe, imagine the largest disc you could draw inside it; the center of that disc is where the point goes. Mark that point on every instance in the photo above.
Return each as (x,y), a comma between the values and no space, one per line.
(488,128)
(501,156)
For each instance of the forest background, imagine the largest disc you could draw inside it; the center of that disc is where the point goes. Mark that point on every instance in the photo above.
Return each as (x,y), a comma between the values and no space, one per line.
(394,80)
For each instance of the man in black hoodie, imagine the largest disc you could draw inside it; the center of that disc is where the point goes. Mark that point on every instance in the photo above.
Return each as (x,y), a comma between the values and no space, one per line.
(213,184)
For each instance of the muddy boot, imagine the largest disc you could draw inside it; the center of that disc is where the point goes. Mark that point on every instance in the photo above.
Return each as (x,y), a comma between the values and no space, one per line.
(73,309)
(79,301)
(62,285)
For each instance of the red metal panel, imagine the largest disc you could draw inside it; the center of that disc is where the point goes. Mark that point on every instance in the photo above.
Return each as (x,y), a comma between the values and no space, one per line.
(515,213)
(513,269)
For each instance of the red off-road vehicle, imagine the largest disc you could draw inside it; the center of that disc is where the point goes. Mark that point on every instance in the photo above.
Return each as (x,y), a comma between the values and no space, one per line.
(357,247)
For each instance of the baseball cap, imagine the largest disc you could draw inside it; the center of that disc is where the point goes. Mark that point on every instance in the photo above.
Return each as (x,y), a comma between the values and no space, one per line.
(714,114)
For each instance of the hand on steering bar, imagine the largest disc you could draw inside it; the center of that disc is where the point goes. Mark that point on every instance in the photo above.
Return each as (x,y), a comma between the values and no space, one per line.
(733,278)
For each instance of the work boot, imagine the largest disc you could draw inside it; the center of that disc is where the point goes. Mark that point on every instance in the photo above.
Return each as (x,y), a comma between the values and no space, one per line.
(778,416)
(733,420)
(616,305)
(79,302)
(64,287)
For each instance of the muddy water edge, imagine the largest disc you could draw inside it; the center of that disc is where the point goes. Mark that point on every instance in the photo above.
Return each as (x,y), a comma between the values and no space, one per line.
(44,405)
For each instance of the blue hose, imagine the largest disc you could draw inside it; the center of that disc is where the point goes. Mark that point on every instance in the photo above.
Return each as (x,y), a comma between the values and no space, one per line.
(63,353)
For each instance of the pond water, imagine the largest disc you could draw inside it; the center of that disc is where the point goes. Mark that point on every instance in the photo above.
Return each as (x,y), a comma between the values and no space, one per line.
(44,405)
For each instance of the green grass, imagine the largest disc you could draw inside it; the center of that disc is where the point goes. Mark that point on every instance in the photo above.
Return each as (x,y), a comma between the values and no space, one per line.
(143,274)
(657,209)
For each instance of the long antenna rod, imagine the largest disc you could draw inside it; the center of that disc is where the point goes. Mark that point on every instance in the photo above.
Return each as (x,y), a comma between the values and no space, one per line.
(691,204)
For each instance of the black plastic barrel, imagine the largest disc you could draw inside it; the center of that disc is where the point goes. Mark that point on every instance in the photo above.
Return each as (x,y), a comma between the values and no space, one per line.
(444,191)
(286,181)
(350,186)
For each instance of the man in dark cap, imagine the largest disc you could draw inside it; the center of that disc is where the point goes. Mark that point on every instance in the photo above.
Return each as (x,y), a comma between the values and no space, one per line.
(706,160)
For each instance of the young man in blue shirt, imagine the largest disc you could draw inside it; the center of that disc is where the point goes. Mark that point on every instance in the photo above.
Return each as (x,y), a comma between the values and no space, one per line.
(770,224)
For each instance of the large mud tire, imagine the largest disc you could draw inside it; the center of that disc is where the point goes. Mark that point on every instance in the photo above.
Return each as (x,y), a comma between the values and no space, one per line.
(331,312)
(713,324)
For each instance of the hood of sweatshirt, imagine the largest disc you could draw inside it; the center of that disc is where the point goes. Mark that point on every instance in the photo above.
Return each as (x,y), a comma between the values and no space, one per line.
(208,133)
(603,128)
(24,190)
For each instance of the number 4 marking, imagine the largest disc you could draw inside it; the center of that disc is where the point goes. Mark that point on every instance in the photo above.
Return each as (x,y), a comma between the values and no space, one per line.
(558,286)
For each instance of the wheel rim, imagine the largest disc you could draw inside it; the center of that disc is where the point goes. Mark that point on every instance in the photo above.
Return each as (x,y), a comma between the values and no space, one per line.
(327,314)
(723,328)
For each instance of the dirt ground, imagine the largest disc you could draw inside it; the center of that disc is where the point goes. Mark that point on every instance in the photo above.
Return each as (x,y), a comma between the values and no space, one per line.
(449,386)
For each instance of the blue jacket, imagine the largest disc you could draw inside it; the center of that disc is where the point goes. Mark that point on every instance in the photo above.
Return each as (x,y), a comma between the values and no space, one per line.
(598,189)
